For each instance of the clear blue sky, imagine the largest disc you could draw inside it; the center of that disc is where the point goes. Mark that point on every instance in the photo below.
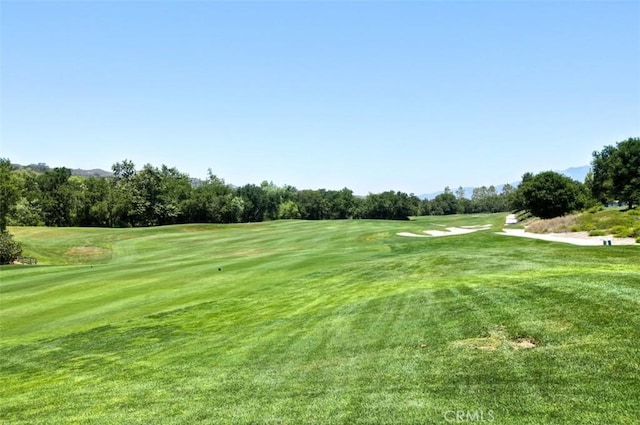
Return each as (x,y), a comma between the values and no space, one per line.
(373,96)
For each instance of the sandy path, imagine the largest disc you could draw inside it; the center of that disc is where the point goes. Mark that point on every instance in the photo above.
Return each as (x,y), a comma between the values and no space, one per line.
(574,238)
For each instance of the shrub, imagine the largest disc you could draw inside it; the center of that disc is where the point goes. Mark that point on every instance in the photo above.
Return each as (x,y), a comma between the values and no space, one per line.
(595,209)
(10,250)
(598,233)
(621,231)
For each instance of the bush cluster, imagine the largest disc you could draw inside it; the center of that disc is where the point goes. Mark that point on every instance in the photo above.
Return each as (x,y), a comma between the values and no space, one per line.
(10,250)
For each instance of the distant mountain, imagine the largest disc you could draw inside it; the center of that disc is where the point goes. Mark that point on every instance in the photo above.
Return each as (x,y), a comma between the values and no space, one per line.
(96,172)
(43,168)
(576,173)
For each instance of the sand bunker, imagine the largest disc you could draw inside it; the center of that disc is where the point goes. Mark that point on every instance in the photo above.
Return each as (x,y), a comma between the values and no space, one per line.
(511,219)
(574,238)
(450,231)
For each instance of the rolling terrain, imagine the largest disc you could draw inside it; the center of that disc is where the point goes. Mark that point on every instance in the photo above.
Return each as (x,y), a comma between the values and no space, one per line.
(323,322)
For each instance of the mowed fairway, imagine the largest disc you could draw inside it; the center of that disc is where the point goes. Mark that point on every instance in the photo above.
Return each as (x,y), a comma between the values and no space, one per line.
(327,322)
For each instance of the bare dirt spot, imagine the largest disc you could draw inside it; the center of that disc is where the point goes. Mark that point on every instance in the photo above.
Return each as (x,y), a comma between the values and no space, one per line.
(523,343)
(483,343)
(496,338)
(88,252)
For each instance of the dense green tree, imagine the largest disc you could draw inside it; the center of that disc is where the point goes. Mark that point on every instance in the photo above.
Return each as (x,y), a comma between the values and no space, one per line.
(26,214)
(256,203)
(550,194)
(616,173)
(9,191)
(601,181)
(508,196)
(125,204)
(274,197)
(10,250)
(57,197)
(312,204)
(445,203)
(209,202)
(390,205)
(518,202)
(289,210)
(424,207)
(147,183)
(464,204)
(341,204)
(486,199)
(94,202)
(28,210)
(124,170)
(175,190)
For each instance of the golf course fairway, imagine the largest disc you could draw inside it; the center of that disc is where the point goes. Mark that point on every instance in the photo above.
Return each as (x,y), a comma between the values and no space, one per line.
(318,322)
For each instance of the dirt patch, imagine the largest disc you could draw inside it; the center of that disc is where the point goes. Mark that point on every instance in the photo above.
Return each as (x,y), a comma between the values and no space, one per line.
(88,252)
(483,343)
(523,343)
(496,338)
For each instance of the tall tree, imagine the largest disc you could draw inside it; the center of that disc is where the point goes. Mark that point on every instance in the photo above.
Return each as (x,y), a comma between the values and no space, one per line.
(601,181)
(57,195)
(28,210)
(312,204)
(616,172)
(550,194)
(255,201)
(444,203)
(94,205)
(508,197)
(210,203)
(9,191)
(124,204)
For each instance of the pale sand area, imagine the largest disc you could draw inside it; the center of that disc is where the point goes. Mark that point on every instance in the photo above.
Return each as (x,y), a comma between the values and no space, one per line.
(575,238)
(450,231)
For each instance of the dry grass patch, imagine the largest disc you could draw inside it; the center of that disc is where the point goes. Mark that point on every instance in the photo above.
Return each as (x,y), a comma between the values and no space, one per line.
(563,224)
(87,253)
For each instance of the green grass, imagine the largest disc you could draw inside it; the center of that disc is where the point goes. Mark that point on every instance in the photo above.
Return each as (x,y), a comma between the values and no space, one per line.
(334,322)
(620,223)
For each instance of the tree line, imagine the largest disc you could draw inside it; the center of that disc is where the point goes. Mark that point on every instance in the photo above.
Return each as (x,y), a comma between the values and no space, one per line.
(153,196)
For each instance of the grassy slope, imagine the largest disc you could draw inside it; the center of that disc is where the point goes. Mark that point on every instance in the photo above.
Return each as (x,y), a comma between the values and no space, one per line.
(317,322)
(617,222)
